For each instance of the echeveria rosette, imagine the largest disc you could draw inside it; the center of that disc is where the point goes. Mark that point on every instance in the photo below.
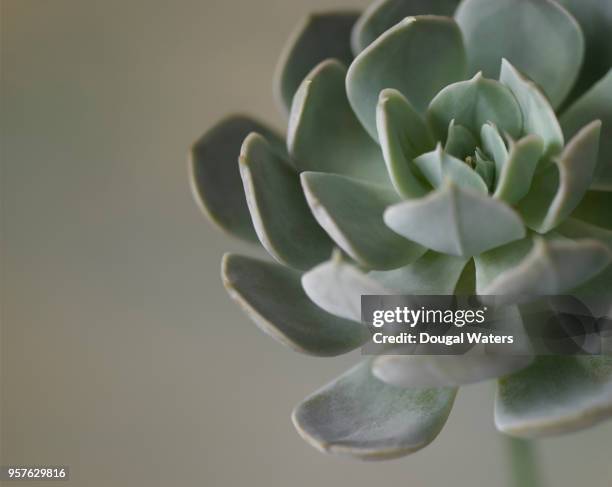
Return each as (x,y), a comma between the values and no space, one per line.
(436,154)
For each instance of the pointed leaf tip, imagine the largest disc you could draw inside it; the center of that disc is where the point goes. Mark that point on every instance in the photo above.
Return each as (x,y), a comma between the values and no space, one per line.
(403,135)
(439,167)
(337,287)
(516,174)
(324,134)
(384,14)
(449,220)
(376,68)
(473,103)
(593,105)
(460,142)
(550,267)
(538,115)
(524,32)
(558,190)
(351,212)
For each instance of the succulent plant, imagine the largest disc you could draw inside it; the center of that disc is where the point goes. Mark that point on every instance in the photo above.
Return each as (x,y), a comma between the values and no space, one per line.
(431,147)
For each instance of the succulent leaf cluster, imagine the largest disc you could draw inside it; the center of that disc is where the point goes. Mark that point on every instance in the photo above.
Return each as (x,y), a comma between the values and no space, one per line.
(432,147)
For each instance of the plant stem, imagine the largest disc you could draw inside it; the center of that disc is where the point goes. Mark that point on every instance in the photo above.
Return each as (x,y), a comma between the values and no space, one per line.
(523,463)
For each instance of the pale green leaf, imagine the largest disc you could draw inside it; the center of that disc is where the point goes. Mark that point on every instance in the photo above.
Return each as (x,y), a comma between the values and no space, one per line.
(403,135)
(491,264)
(558,189)
(538,116)
(555,395)
(215,178)
(577,229)
(351,211)
(460,142)
(446,370)
(282,219)
(473,103)
(272,296)
(438,167)
(337,286)
(550,267)
(452,220)
(384,14)
(494,146)
(318,37)
(596,292)
(514,180)
(526,33)
(398,59)
(596,104)
(359,416)
(595,18)
(432,274)
(485,169)
(324,134)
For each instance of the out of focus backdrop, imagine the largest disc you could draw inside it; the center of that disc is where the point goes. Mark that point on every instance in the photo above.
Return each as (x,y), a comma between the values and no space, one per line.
(121,354)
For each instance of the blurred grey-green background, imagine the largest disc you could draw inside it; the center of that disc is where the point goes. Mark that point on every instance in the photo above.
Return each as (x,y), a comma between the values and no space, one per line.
(122,356)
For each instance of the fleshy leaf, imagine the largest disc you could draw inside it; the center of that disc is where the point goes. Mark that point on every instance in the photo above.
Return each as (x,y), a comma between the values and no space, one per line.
(460,142)
(555,395)
(525,33)
(215,178)
(550,267)
(576,229)
(316,38)
(558,189)
(595,18)
(485,169)
(497,261)
(473,103)
(595,208)
(445,370)
(397,60)
(438,166)
(596,293)
(403,135)
(359,416)
(384,14)
(337,286)
(282,219)
(517,173)
(596,104)
(351,211)
(273,297)
(432,274)
(335,142)
(493,144)
(451,220)
(538,116)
